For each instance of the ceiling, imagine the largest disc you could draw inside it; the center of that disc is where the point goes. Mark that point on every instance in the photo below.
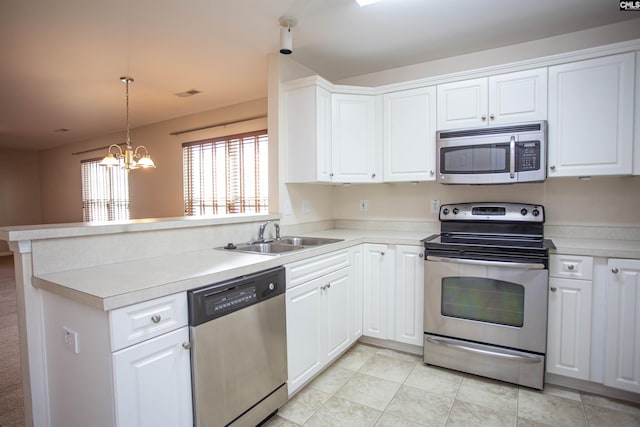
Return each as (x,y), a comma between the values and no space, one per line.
(61,60)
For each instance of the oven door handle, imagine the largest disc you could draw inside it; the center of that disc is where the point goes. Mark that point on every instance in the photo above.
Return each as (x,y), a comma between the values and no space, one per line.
(520,265)
(515,357)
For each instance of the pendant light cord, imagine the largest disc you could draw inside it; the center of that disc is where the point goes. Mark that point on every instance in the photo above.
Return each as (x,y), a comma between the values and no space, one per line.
(127,80)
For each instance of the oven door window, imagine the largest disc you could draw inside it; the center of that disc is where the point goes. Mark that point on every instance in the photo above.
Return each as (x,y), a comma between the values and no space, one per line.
(483,300)
(474,159)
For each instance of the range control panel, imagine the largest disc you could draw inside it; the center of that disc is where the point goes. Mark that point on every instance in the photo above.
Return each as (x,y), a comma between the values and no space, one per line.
(488,211)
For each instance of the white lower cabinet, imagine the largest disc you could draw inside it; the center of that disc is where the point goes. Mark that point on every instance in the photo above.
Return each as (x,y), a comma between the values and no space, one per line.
(376,290)
(393,293)
(569,324)
(622,356)
(320,325)
(569,327)
(152,382)
(126,367)
(409,294)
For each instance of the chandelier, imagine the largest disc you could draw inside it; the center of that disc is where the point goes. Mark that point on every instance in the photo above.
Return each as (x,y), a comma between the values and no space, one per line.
(129,158)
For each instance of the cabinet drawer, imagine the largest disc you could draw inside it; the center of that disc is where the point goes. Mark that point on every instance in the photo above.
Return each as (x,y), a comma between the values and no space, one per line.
(139,322)
(571,266)
(309,269)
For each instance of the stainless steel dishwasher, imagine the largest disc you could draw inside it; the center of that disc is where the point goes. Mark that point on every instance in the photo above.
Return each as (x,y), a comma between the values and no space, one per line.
(239,353)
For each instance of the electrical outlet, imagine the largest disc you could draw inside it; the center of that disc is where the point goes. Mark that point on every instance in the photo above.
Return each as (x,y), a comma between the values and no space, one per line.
(71,340)
(287,207)
(364,205)
(435,206)
(306,206)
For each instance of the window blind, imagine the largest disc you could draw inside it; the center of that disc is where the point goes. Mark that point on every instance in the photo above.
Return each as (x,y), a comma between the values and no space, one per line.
(105,192)
(226,175)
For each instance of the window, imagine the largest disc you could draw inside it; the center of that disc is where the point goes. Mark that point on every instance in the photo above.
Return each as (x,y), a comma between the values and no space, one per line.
(105,192)
(226,175)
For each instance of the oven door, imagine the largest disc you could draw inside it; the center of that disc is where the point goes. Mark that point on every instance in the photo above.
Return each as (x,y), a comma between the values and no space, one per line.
(489,302)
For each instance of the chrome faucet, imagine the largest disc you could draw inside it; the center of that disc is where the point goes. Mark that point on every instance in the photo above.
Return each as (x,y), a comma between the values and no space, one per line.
(264,226)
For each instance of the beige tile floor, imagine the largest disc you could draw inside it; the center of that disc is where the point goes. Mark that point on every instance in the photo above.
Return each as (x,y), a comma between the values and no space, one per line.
(370,386)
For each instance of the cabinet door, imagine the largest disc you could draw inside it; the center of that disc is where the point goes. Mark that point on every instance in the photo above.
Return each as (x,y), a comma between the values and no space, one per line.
(591,117)
(356,148)
(308,135)
(622,356)
(569,330)
(518,97)
(152,382)
(462,104)
(410,135)
(304,340)
(376,290)
(355,296)
(409,288)
(336,312)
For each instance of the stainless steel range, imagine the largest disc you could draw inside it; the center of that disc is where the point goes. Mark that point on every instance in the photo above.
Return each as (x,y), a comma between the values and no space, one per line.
(486,281)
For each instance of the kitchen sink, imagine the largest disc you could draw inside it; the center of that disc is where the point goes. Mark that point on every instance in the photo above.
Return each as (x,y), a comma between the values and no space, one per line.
(307,241)
(265,248)
(276,247)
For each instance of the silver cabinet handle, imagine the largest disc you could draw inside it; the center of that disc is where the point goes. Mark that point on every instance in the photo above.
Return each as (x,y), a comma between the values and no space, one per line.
(553,289)
(432,173)
(373,175)
(381,253)
(186,345)
(570,267)
(331,174)
(492,116)
(552,167)
(420,255)
(156,318)
(615,270)
(484,117)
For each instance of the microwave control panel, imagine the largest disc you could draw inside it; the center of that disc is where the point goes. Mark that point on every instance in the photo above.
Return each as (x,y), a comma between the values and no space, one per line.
(527,156)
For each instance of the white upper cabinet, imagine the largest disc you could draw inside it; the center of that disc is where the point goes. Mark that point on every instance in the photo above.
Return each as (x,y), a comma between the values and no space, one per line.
(308,134)
(591,117)
(356,143)
(409,130)
(496,100)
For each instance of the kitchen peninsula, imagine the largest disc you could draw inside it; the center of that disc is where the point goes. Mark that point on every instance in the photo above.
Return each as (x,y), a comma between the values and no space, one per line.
(99,269)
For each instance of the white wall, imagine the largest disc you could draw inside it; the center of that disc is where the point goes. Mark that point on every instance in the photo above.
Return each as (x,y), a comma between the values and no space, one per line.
(608,34)
(154,193)
(568,201)
(19,189)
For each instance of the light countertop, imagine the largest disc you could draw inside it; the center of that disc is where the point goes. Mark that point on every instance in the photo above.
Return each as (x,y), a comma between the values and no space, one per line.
(111,286)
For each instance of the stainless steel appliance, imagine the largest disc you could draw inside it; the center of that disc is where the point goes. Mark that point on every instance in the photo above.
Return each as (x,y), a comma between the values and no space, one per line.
(486,279)
(492,155)
(239,353)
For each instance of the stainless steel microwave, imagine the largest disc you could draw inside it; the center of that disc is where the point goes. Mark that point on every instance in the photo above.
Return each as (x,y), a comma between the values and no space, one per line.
(492,155)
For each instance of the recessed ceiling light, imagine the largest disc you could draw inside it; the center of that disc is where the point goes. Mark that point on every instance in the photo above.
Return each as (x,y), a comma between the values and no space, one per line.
(188,93)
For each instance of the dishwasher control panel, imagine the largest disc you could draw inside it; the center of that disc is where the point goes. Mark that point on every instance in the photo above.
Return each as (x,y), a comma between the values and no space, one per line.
(219,299)
(228,301)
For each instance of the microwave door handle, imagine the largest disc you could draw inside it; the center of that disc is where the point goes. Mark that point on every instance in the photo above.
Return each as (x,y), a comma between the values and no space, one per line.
(520,265)
(512,157)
